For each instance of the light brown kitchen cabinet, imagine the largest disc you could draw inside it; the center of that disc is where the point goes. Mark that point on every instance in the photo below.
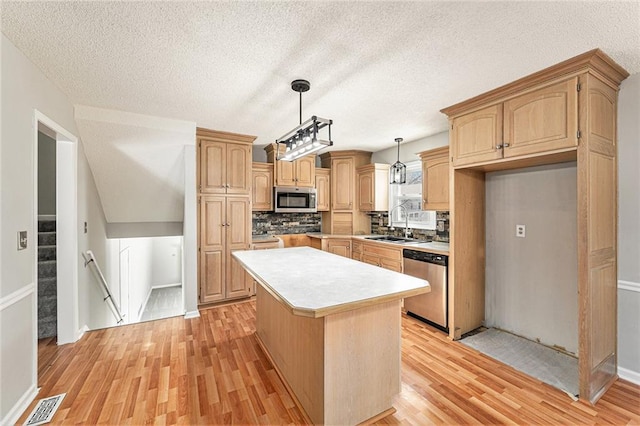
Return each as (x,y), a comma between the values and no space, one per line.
(301,172)
(341,247)
(344,217)
(382,255)
(356,250)
(435,178)
(262,187)
(323,189)
(224,165)
(542,126)
(373,187)
(225,227)
(535,122)
(224,220)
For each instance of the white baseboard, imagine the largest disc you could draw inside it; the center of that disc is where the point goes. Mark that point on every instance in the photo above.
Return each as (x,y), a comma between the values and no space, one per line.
(628,285)
(82,330)
(166,285)
(629,375)
(192,314)
(20,407)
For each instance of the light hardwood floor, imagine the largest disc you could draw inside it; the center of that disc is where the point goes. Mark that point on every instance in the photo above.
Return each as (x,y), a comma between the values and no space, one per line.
(210,370)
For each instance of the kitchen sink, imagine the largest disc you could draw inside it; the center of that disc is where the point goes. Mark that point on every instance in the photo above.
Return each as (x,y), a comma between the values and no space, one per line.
(392,239)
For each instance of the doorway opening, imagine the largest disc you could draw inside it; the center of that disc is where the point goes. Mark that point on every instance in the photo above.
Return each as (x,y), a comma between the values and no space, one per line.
(59,302)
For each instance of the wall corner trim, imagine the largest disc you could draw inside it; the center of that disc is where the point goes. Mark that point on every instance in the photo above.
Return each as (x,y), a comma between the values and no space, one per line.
(628,285)
(629,375)
(192,314)
(21,406)
(16,296)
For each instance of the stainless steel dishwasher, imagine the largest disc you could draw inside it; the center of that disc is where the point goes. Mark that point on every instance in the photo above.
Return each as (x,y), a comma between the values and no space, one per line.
(430,307)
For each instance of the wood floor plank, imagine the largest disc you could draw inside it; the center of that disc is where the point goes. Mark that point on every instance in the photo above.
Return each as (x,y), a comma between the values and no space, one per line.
(210,370)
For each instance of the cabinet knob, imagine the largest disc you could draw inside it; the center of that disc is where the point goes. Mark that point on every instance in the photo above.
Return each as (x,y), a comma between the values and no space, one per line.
(499,146)
(506,145)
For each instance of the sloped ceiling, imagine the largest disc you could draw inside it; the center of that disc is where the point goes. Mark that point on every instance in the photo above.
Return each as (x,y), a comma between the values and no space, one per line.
(380,70)
(137,163)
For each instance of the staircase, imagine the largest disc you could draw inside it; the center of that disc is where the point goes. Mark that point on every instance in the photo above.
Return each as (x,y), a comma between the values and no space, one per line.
(47,280)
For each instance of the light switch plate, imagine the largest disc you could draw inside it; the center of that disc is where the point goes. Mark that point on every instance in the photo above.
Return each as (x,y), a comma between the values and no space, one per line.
(22,240)
(520,231)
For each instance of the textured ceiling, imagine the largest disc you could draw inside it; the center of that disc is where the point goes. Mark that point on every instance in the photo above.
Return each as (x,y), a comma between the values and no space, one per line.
(380,70)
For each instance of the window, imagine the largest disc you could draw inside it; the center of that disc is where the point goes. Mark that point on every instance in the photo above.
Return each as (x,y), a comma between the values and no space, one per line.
(409,195)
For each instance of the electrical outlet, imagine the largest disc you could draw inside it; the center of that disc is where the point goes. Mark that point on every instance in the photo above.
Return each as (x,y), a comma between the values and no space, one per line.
(22,240)
(520,231)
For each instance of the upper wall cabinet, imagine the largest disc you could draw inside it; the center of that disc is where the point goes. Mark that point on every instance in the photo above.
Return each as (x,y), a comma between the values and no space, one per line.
(373,187)
(301,172)
(225,163)
(323,189)
(435,179)
(535,122)
(262,187)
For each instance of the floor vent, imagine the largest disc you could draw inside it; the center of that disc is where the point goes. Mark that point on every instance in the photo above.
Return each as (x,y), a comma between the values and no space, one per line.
(44,410)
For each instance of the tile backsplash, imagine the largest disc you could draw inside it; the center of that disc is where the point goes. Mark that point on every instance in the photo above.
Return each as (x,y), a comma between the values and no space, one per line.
(441,233)
(269,223)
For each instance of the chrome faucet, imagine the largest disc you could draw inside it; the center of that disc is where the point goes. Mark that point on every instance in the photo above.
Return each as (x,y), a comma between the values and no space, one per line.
(406,219)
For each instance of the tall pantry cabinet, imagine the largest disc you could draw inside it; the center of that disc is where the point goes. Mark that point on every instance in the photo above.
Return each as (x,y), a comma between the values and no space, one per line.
(567,112)
(224,222)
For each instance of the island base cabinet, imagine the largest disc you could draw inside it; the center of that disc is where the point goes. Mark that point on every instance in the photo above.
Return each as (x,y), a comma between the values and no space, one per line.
(337,366)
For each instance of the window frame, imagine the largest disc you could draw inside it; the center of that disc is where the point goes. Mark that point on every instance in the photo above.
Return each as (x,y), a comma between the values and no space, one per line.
(396,215)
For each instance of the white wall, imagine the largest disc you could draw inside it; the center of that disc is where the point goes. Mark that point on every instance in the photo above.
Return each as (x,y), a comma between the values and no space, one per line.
(24,90)
(190,242)
(629,229)
(166,261)
(532,283)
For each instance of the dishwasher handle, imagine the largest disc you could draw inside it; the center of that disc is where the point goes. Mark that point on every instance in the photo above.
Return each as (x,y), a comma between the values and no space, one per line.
(422,256)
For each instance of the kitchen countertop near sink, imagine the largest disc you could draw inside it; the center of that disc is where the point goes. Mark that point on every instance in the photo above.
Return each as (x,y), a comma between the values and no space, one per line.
(436,247)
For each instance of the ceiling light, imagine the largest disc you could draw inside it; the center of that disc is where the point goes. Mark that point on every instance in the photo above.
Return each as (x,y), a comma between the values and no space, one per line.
(398,171)
(304,139)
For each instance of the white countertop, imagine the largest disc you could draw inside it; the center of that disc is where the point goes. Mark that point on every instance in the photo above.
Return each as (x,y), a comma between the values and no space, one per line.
(315,283)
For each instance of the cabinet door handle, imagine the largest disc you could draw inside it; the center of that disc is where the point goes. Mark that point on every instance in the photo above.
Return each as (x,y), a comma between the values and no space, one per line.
(499,146)
(506,145)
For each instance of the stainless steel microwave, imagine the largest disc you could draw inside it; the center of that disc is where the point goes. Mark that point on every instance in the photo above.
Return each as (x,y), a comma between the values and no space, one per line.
(290,199)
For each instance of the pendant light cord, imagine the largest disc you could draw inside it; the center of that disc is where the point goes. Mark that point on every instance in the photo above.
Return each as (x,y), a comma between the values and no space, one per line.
(300,107)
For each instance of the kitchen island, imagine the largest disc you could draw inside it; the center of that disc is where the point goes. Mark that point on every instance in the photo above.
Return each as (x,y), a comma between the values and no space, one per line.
(331,327)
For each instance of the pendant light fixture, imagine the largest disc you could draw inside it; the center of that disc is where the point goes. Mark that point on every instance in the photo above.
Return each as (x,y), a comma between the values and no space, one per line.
(398,171)
(304,139)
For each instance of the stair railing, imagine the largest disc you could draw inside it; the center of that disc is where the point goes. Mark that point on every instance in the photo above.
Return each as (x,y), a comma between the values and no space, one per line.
(89,259)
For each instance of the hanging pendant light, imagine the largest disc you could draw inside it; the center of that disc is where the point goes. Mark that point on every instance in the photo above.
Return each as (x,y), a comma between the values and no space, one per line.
(398,170)
(305,138)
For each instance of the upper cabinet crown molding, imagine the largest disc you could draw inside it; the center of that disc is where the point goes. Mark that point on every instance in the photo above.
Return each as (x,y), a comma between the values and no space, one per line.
(595,61)
(224,136)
